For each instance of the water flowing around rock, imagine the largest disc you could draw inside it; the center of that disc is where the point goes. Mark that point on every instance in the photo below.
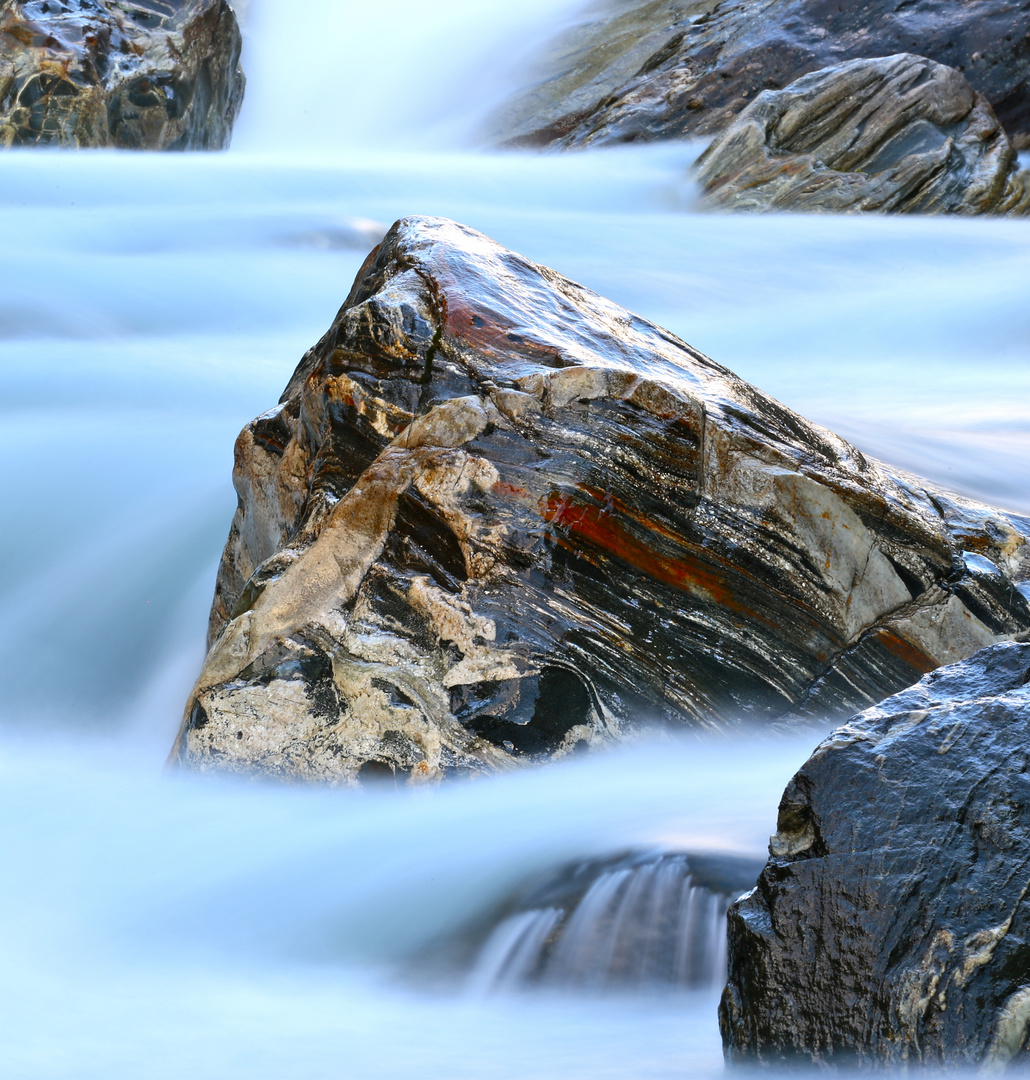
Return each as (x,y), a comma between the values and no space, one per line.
(631,923)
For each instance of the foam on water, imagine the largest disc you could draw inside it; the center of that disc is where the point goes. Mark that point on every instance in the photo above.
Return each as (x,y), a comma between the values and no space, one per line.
(154,304)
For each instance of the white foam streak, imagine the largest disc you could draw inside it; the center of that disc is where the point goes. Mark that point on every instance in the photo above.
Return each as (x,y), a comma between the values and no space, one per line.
(344,72)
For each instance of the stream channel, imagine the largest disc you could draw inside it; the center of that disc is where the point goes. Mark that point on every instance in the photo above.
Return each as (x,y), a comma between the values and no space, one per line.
(165,927)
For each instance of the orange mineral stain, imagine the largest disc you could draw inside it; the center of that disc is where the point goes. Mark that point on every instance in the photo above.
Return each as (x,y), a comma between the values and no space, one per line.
(599,526)
(906,652)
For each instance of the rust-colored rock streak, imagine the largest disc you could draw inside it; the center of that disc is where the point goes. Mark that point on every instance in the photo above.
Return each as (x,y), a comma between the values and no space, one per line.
(137,74)
(497,518)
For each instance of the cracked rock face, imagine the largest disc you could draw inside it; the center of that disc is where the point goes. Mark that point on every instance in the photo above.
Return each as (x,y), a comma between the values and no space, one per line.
(671,69)
(899,134)
(497,518)
(135,74)
(891,923)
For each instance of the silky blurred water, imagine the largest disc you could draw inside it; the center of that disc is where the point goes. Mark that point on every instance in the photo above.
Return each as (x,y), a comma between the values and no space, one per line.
(152,305)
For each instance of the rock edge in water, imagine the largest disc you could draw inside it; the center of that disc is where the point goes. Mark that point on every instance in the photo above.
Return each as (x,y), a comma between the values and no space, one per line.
(498,518)
(641,70)
(139,75)
(891,923)
(898,134)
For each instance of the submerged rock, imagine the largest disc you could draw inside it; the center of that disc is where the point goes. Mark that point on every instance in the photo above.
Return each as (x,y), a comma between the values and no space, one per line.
(891,923)
(635,921)
(137,74)
(672,69)
(900,133)
(496,517)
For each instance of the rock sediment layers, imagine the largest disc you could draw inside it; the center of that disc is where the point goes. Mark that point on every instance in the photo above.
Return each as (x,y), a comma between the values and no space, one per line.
(891,923)
(900,134)
(670,69)
(141,75)
(497,517)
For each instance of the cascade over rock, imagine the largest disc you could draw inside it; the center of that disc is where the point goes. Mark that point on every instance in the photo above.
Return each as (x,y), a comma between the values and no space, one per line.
(633,921)
(671,69)
(891,924)
(137,74)
(496,517)
(901,133)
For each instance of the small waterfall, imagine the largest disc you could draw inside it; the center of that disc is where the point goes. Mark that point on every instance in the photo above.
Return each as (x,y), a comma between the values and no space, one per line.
(630,923)
(513,950)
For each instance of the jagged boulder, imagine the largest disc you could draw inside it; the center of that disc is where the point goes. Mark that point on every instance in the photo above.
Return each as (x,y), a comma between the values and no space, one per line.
(496,517)
(891,924)
(671,69)
(898,134)
(137,74)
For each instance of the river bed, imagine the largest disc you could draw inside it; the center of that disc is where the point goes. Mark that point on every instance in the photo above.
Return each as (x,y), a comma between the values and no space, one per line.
(165,927)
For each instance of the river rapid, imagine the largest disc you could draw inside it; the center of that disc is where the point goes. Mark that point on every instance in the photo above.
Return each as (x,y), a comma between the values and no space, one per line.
(164,927)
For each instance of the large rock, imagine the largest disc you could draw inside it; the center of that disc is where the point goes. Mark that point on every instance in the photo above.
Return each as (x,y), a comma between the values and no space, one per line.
(891,924)
(496,516)
(901,134)
(143,75)
(669,69)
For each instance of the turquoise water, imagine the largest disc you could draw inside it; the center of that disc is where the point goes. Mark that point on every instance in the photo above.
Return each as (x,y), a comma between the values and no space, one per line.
(153,305)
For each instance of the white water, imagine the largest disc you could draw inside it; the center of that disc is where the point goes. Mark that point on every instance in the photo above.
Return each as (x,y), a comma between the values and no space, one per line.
(643,923)
(152,305)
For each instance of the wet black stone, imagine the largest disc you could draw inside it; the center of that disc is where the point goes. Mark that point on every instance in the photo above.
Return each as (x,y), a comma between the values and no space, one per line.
(891,923)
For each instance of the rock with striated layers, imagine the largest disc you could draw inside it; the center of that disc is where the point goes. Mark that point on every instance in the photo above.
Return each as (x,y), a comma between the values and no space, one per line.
(891,925)
(899,134)
(136,74)
(497,518)
(673,69)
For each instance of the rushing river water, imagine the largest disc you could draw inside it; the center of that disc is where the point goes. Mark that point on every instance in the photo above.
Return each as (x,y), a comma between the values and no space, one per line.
(153,304)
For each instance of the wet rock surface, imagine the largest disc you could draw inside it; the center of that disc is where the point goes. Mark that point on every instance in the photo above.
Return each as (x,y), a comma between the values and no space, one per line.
(670,69)
(497,518)
(141,75)
(898,134)
(891,923)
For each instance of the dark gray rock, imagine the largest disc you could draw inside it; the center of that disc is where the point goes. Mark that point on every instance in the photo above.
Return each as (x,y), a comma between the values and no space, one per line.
(899,134)
(497,518)
(136,74)
(670,69)
(891,923)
